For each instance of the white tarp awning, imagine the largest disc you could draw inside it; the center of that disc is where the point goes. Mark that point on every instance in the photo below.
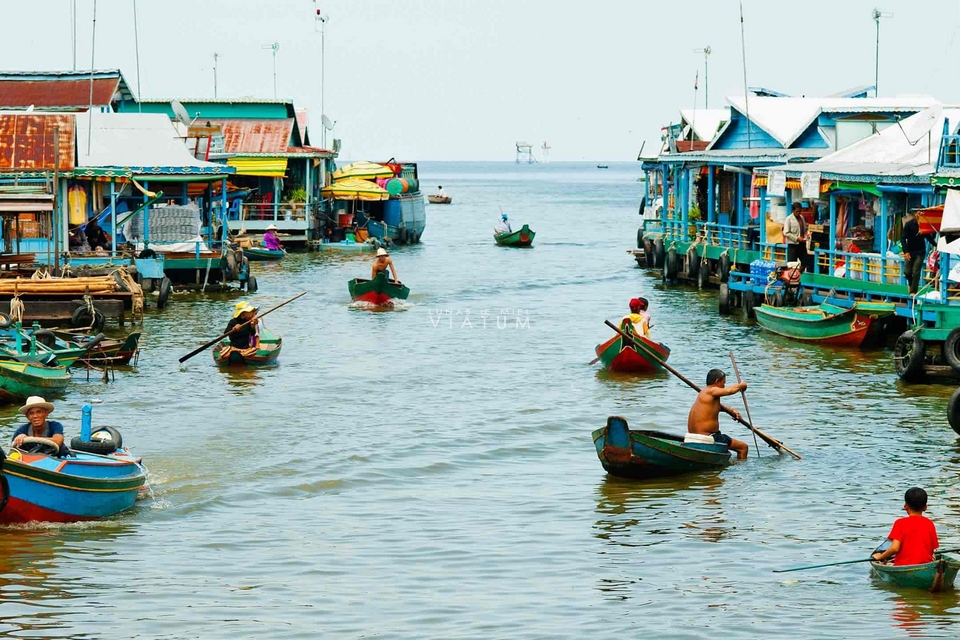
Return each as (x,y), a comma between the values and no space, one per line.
(949,241)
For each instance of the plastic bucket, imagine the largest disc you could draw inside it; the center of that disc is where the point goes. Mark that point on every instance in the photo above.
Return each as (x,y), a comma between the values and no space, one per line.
(345,219)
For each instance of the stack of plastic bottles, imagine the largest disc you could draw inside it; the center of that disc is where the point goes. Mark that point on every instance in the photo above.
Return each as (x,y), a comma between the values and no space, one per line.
(760,270)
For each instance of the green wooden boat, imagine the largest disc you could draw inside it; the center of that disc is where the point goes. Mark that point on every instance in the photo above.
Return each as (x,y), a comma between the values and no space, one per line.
(938,575)
(261,254)
(522,238)
(20,380)
(379,292)
(822,324)
(266,354)
(651,454)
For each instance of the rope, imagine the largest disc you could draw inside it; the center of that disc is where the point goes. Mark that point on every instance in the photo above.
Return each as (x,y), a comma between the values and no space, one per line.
(16,308)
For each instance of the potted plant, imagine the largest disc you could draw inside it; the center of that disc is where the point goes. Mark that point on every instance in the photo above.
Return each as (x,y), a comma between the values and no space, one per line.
(693,217)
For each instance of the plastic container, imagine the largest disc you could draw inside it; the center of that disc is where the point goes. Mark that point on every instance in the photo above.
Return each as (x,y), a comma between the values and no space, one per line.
(413,185)
(394,187)
(392,214)
(345,219)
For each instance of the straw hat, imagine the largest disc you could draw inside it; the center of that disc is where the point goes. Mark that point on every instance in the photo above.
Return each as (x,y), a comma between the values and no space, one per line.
(243,307)
(272,227)
(382,252)
(34,402)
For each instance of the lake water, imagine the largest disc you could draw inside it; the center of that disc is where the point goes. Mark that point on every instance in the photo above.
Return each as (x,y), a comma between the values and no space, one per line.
(429,472)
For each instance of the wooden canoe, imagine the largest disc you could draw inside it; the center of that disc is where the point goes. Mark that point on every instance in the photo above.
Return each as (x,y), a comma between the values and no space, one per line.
(652,454)
(920,576)
(262,254)
(822,324)
(522,238)
(617,354)
(267,354)
(439,199)
(20,380)
(379,292)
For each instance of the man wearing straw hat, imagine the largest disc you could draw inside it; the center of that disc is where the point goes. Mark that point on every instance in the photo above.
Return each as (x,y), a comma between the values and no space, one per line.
(382,263)
(36,410)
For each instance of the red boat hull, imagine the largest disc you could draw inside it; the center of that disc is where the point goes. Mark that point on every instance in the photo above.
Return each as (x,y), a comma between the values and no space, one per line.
(629,360)
(376,299)
(18,512)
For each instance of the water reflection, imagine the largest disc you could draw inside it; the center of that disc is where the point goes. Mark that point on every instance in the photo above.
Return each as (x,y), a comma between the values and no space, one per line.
(243,380)
(919,613)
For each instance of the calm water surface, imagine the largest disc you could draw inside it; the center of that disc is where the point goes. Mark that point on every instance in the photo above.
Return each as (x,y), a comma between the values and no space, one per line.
(418,474)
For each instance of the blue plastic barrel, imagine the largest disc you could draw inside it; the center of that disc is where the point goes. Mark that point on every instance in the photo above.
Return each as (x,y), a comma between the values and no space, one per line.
(391,213)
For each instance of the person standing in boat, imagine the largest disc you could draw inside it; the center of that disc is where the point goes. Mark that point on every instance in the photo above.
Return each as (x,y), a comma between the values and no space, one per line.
(913,539)
(638,321)
(704,418)
(36,410)
(914,248)
(795,233)
(504,226)
(243,328)
(270,239)
(382,263)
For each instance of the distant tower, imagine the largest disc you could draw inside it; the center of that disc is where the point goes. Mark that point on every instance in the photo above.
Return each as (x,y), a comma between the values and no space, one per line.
(546,152)
(525,152)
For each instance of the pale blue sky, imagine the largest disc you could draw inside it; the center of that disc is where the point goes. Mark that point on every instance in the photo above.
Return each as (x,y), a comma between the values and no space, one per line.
(463,80)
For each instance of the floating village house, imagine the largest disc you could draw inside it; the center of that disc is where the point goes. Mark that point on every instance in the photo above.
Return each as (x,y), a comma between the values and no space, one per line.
(277,174)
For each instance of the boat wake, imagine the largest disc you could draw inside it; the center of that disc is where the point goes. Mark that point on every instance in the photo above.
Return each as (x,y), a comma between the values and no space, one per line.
(396,305)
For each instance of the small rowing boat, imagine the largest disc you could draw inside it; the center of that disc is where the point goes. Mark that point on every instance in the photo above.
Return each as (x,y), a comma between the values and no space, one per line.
(938,575)
(262,254)
(822,324)
(266,354)
(522,238)
(617,354)
(652,454)
(380,292)
(435,199)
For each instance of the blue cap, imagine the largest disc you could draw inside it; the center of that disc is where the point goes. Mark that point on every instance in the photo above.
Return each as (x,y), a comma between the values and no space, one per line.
(503,217)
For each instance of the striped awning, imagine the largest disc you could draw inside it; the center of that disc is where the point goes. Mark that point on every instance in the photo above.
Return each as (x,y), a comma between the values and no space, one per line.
(761,181)
(265,167)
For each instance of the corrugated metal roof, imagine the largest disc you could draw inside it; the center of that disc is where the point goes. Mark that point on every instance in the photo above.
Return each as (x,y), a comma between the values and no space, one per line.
(135,140)
(27,141)
(256,136)
(705,122)
(61,89)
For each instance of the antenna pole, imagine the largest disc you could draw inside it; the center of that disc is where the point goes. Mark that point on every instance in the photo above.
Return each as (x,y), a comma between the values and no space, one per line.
(215,56)
(73,23)
(275,47)
(746,93)
(876,63)
(93,49)
(136,48)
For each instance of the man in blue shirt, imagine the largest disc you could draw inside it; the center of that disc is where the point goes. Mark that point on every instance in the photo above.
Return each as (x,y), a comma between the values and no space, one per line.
(37,409)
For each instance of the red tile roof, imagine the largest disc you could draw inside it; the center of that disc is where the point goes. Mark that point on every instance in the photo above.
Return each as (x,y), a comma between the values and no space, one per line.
(27,141)
(57,93)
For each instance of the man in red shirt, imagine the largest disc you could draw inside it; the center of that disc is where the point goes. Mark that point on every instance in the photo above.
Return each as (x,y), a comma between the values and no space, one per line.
(914,538)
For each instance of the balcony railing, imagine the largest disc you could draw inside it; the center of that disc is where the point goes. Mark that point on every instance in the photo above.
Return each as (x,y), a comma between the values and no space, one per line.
(294,211)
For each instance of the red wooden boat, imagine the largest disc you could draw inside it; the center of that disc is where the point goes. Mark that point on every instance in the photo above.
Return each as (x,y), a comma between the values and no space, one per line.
(617,355)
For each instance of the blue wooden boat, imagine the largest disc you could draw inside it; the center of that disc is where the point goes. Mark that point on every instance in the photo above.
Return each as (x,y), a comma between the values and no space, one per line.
(652,454)
(261,254)
(40,487)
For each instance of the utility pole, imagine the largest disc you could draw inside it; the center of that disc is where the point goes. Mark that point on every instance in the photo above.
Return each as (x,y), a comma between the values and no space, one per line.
(706,51)
(322,19)
(216,56)
(877,14)
(273,47)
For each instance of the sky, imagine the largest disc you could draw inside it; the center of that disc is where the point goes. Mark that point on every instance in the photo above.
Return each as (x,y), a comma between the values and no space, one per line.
(466,79)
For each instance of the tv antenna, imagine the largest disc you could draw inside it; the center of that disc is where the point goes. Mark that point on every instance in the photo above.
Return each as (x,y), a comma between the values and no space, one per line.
(706,51)
(877,14)
(273,47)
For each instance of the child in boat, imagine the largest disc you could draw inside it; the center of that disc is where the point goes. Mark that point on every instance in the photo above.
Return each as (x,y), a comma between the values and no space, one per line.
(914,538)
(639,319)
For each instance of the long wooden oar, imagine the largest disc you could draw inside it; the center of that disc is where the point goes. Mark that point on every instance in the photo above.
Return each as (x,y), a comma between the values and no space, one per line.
(776,444)
(834,564)
(743,394)
(221,337)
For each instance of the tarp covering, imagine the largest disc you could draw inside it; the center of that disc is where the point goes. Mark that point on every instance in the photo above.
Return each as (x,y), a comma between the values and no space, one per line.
(355,189)
(260,166)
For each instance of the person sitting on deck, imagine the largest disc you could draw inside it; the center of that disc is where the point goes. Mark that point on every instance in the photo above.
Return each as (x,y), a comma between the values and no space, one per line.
(639,320)
(97,237)
(37,409)
(270,239)
(704,418)
(441,192)
(913,539)
(247,336)
(504,226)
(382,263)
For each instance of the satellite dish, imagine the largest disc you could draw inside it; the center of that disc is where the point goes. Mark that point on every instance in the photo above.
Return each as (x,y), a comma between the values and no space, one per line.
(327,124)
(180,113)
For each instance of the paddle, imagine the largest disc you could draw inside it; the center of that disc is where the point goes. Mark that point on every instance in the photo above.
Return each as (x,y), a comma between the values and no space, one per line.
(743,393)
(834,564)
(219,338)
(776,444)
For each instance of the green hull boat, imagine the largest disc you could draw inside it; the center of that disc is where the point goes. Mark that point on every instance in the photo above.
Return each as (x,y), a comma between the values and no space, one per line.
(938,575)
(20,380)
(379,292)
(268,353)
(522,238)
(822,324)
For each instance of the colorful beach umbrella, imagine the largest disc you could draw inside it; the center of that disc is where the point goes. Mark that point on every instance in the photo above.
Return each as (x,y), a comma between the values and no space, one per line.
(364,170)
(355,189)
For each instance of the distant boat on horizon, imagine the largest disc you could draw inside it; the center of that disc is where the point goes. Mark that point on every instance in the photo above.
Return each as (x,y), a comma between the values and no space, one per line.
(603,166)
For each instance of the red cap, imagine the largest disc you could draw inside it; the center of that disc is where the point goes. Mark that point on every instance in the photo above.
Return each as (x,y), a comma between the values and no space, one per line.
(634,303)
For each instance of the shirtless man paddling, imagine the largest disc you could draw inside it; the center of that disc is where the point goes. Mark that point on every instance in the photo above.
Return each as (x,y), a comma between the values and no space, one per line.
(704,418)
